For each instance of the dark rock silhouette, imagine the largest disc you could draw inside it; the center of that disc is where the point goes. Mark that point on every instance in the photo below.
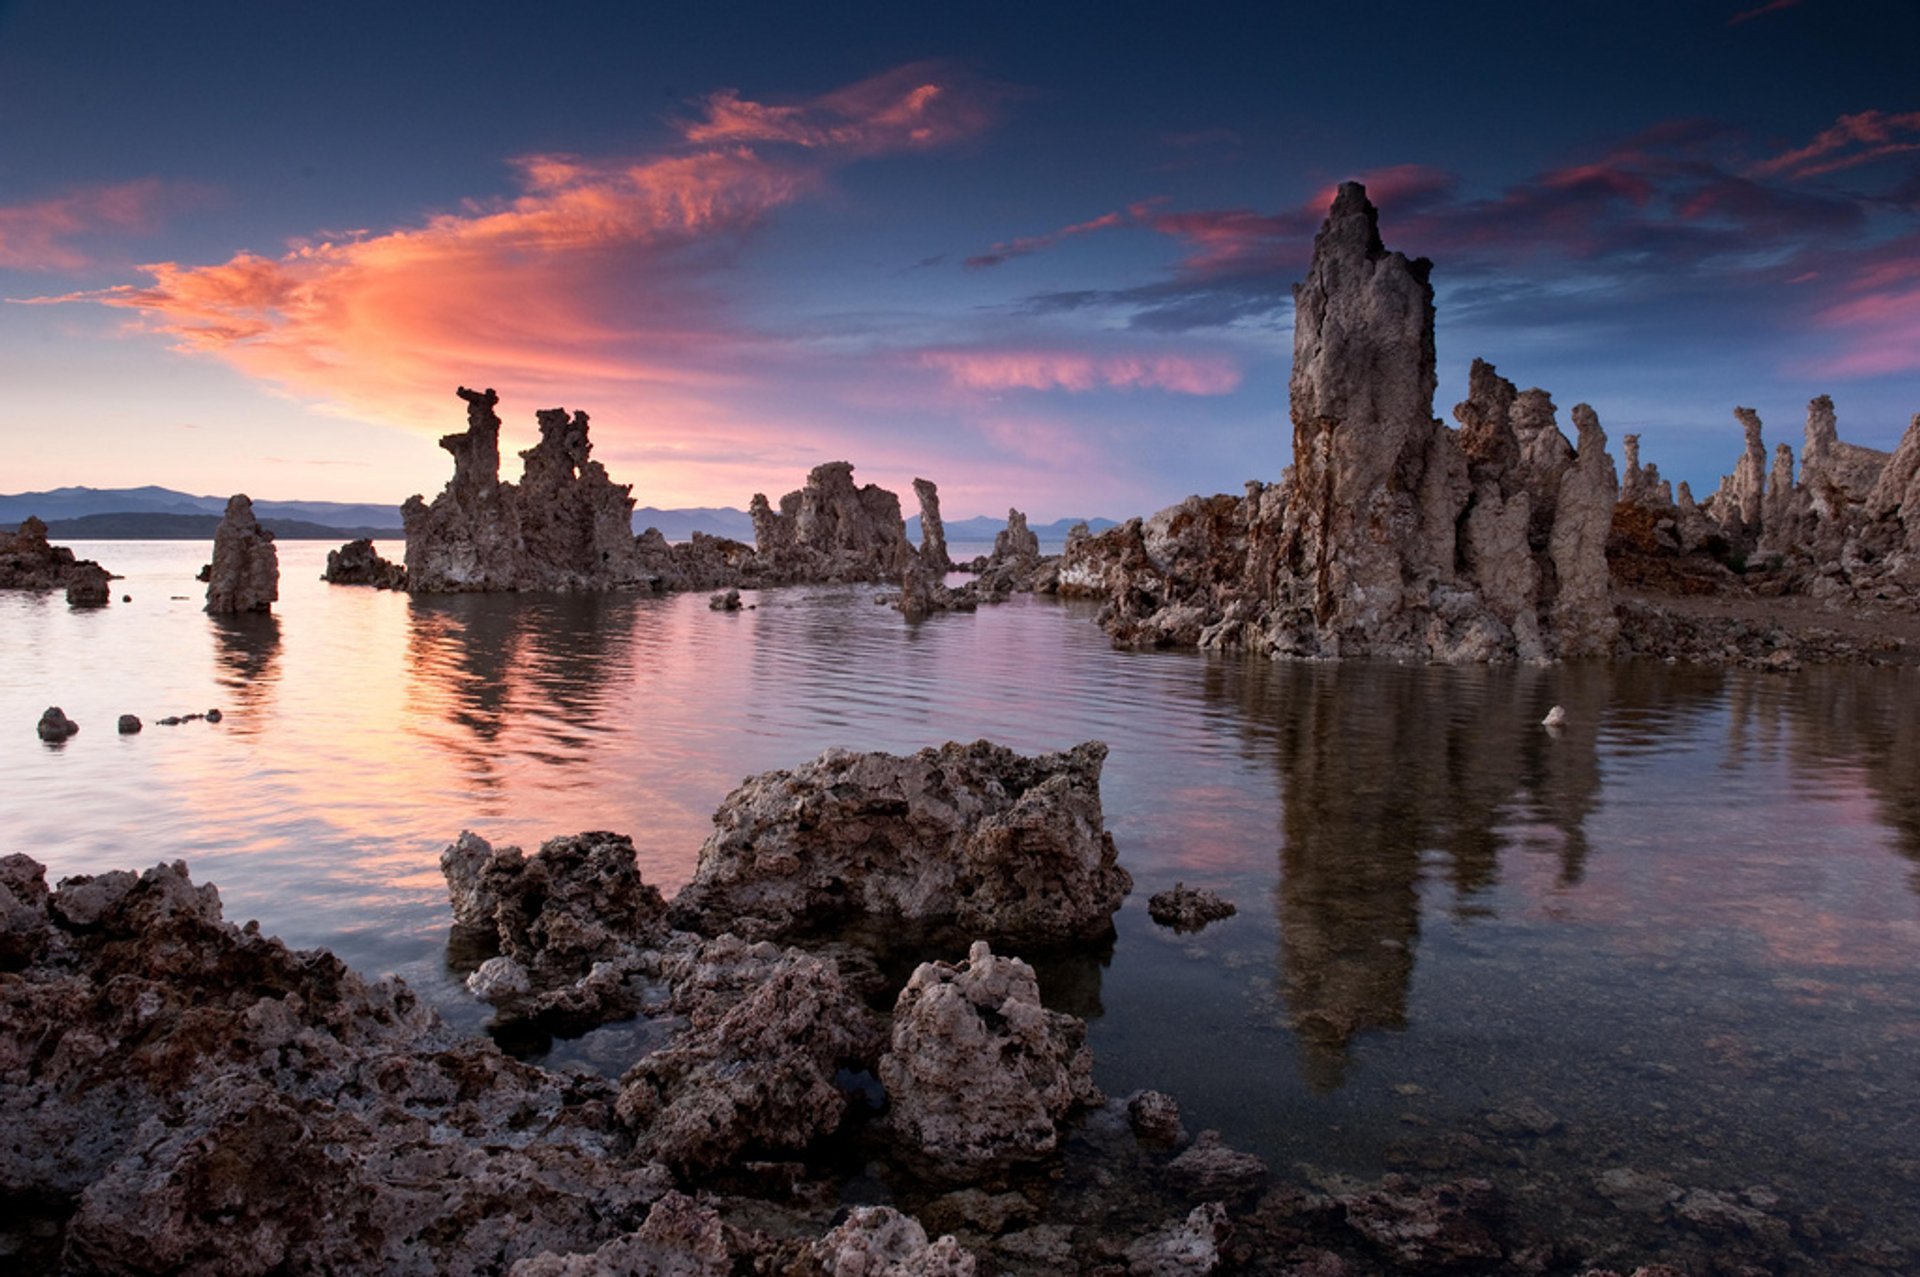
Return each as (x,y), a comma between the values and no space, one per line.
(358,563)
(28,561)
(244,575)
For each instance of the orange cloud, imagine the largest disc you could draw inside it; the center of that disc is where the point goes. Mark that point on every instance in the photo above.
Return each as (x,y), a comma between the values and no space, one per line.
(923,104)
(1079,373)
(38,236)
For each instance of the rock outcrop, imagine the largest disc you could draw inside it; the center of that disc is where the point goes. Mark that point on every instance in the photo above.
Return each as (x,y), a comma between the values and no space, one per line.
(28,561)
(1188,908)
(358,563)
(975,836)
(244,575)
(564,526)
(831,531)
(568,925)
(1390,534)
(980,1074)
(55,726)
(933,532)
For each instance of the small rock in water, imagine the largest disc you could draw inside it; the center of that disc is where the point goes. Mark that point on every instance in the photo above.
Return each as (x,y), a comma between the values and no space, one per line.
(214,716)
(171,720)
(728,602)
(1187,908)
(1155,1118)
(1556,718)
(126,598)
(129,724)
(55,726)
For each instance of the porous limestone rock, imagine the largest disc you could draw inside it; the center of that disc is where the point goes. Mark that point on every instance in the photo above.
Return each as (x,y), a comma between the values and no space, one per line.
(1210,1168)
(200,1098)
(977,836)
(725,601)
(55,726)
(1183,1248)
(1015,543)
(878,1241)
(933,532)
(575,919)
(702,562)
(980,1075)
(1582,613)
(769,1031)
(680,1238)
(564,526)
(358,563)
(1428,1228)
(1155,1117)
(89,585)
(1188,908)
(28,561)
(244,575)
(831,531)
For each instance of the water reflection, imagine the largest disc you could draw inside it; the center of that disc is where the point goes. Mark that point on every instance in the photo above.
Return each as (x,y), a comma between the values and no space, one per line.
(247,662)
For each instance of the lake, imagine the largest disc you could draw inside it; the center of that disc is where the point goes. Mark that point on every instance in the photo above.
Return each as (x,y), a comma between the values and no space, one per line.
(1678,939)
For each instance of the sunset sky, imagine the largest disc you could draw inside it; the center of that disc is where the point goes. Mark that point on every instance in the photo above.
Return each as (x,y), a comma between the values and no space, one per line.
(1040,254)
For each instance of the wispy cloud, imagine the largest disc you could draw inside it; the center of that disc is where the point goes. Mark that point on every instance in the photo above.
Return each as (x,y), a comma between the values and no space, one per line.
(41,235)
(1849,142)
(1008,249)
(1772,6)
(1080,372)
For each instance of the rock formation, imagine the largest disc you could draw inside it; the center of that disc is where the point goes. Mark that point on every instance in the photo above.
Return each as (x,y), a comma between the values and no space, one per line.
(28,561)
(970,835)
(831,531)
(933,533)
(244,575)
(565,526)
(55,726)
(980,1074)
(1188,908)
(1390,534)
(703,562)
(358,563)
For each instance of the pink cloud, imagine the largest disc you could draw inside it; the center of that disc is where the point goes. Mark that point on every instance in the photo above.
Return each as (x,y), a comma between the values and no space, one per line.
(39,235)
(1882,333)
(1079,373)
(1850,141)
(1026,244)
(921,105)
(1772,6)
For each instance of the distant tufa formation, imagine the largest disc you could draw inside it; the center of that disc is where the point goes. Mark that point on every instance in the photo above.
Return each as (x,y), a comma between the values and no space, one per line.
(28,561)
(245,573)
(1391,534)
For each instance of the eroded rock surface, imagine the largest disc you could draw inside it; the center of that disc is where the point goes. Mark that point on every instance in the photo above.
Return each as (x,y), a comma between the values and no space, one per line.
(933,532)
(980,1074)
(28,561)
(565,526)
(975,836)
(1188,908)
(358,563)
(831,531)
(55,726)
(244,575)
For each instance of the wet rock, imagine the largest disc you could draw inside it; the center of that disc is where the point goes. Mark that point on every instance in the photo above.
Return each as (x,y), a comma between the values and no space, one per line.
(727,602)
(1188,908)
(1155,1118)
(680,1238)
(757,1066)
(129,724)
(55,726)
(1209,1168)
(89,585)
(973,1208)
(565,526)
(1191,1245)
(831,531)
(245,573)
(213,716)
(358,563)
(979,1073)
(576,917)
(28,561)
(878,1241)
(973,835)
(1634,1190)
(1523,1117)
(703,562)
(203,1099)
(1428,1228)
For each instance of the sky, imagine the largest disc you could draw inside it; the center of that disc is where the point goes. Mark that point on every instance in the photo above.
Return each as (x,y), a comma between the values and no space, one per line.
(1041,254)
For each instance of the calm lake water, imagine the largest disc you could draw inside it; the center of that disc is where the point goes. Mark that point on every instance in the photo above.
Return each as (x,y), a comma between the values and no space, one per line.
(1682,937)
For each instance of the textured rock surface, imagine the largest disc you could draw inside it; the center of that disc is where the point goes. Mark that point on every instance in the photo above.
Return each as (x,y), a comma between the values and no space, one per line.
(564,526)
(830,530)
(769,1031)
(1188,908)
(89,585)
(933,532)
(702,562)
(244,575)
(680,1238)
(358,563)
(878,1241)
(55,726)
(1428,1228)
(1191,1245)
(1211,1169)
(974,835)
(979,1073)
(574,920)
(28,561)
(204,1099)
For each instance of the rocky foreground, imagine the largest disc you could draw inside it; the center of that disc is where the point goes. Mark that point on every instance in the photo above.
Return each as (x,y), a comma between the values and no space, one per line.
(185,1095)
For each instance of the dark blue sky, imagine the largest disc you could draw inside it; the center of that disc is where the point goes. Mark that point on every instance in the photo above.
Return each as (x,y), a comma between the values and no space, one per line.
(1041,254)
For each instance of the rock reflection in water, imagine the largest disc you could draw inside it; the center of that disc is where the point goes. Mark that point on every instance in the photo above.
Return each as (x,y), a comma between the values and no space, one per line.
(247,661)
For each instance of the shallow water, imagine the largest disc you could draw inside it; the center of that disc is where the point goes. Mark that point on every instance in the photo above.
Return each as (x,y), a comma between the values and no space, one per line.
(1682,936)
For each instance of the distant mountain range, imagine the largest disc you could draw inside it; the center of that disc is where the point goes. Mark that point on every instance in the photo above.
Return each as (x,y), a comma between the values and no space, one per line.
(163,514)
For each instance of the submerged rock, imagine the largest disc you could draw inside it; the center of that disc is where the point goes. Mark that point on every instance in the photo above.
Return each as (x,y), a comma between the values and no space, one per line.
(1183,1247)
(564,526)
(980,1075)
(55,726)
(727,602)
(358,563)
(1188,908)
(970,835)
(244,575)
(1209,1168)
